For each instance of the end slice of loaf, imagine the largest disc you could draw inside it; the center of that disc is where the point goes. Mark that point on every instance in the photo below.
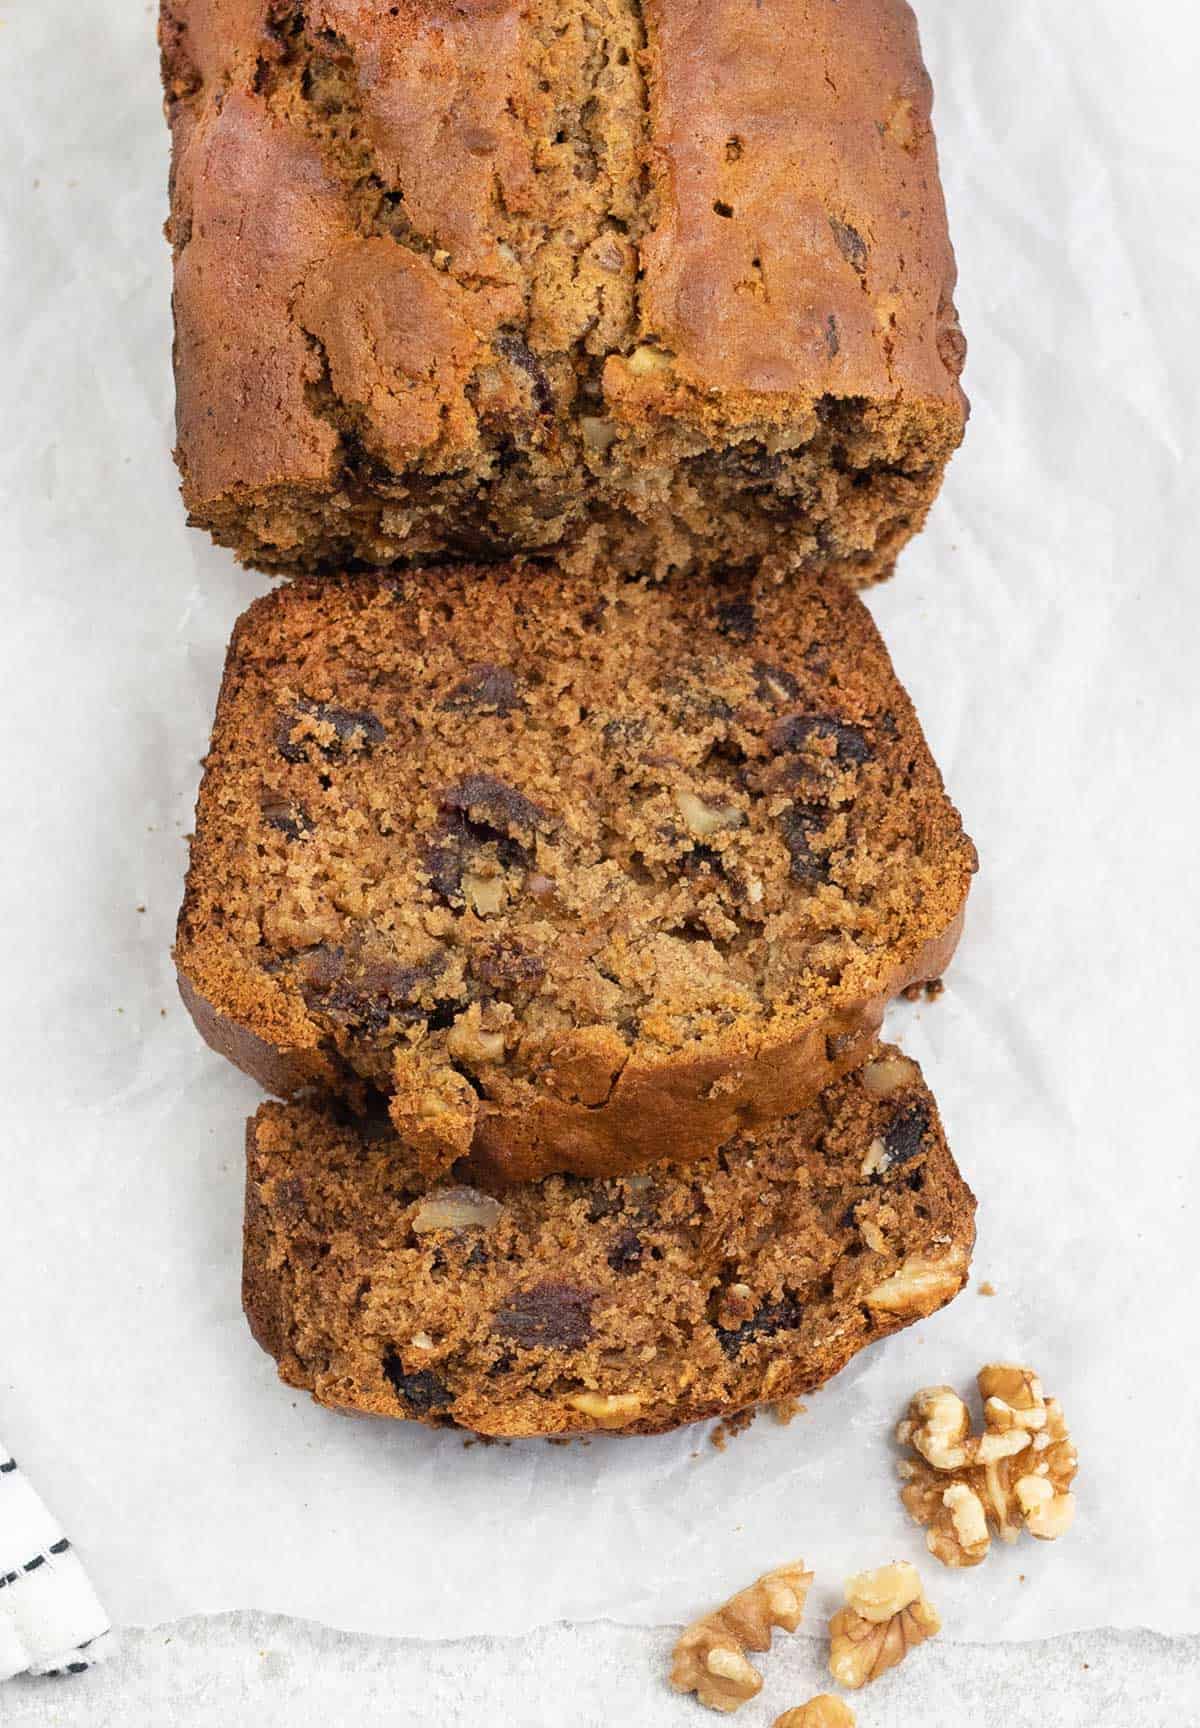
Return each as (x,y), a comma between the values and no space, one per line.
(632,1303)
(580,876)
(663,285)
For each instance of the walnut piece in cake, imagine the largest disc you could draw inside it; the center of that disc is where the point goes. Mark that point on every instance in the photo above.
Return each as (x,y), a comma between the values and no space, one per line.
(924,1282)
(886,1615)
(1015,1475)
(710,1656)
(456,1209)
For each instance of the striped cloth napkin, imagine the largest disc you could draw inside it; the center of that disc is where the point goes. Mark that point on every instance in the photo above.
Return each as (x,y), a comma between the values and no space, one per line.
(50,1620)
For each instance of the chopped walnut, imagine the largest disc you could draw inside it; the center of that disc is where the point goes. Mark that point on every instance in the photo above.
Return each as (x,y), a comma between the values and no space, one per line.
(705,819)
(645,360)
(607,1409)
(470,1041)
(710,1657)
(598,434)
(885,1617)
(823,1711)
(456,1209)
(921,1284)
(887,1074)
(1016,1474)
(485,894)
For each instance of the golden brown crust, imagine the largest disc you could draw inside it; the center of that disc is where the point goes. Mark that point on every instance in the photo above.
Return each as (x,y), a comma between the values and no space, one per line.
(281,1071)
(668,286)
(579,880)
(661,1110)
(631,1304)
(262,1289)
(244,414)
(788,138)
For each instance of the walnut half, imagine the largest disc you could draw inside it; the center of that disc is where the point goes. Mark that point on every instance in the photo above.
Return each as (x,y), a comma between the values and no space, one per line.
(885,1617)
(710,1656)
(1015,1475)
(823,1711)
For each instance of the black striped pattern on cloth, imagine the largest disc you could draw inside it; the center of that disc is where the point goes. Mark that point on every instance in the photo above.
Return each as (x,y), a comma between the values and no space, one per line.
(51,1622)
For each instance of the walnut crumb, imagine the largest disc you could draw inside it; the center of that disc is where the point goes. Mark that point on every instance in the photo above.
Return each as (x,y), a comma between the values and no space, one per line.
(1015,1475)
(886,1615)
(823,1711)
(710,1656)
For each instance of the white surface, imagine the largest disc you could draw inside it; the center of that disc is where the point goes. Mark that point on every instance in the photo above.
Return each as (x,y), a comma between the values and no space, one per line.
(1047,626)
(244,1669)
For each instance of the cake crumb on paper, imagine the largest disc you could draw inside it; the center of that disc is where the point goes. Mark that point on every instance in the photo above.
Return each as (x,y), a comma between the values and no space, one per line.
(785,1410)
(729,1427)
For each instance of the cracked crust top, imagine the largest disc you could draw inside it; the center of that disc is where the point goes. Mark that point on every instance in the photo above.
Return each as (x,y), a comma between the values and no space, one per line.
(511,274)
(633,1304)
(580,875)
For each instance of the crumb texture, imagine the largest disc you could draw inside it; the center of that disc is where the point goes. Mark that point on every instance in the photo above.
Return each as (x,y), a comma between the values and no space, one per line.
(629,1303)
(576,877)
(664,284)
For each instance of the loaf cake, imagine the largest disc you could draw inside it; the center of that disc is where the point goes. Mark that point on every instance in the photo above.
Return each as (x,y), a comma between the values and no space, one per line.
(634,1303)
(666,286)
(578,874)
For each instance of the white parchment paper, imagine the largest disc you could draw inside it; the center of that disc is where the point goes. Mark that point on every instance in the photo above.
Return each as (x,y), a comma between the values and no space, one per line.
(1047,625)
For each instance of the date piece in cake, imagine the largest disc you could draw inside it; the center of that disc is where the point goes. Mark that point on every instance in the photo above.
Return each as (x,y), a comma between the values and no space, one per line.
(663,285)
(579,875)
(634,1303)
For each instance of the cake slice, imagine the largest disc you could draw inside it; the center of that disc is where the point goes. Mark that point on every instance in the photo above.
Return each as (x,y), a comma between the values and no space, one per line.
(664,285)
(634,1303)
(579,875)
